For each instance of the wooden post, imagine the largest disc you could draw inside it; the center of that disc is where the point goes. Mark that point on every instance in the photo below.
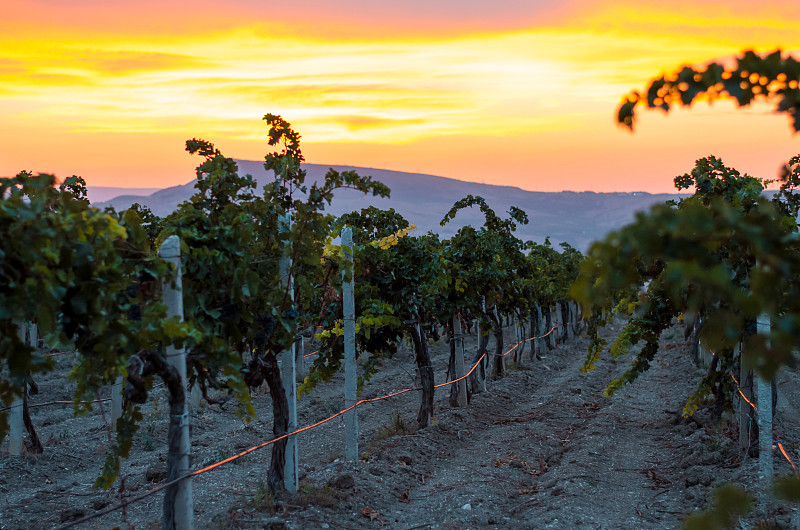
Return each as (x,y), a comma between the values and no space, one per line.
(540,330)
(521,338)
(570,319)
(301,366)
(173,297)
(458,337)
(703,354)
(503,358)
(747,415)
(464,356)
(573,319)
(289,380)
(556,312)
(15,427)
(33,336)
(15,414)
(288,377)
(350,367)
(764,393)
(531,333)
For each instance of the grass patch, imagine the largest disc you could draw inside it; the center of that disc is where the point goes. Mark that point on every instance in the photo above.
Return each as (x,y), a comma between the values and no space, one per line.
(262,499)
(310,495)
(396,426)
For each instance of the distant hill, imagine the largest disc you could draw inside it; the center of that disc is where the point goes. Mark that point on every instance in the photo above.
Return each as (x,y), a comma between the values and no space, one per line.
(577,218)
(98,194)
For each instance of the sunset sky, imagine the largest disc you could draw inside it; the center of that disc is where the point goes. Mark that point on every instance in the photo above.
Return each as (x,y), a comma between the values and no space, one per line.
(510,92)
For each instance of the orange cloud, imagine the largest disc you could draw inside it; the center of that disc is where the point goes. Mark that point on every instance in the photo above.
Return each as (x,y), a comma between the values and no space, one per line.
(515,91)
(127,61)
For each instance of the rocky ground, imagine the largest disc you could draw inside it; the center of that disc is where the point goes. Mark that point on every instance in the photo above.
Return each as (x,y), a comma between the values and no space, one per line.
(542,448)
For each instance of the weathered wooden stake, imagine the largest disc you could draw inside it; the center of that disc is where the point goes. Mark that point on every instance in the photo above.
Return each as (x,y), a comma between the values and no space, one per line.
(464,356)
(540,330)
(746,413)
(764,393)
(556,312)
(573,320)
(289,380)
(704,356)
(15,414)
(570,330)
(33,336)
(458,337)
(503,358)
(173,297)
(301,366)
(350,366)
(288,377)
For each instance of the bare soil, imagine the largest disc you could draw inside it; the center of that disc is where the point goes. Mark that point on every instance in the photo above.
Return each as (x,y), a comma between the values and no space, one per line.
(541,449)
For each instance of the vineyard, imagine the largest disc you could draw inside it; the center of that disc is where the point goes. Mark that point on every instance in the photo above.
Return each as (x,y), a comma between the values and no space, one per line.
(249,360)
(533,452)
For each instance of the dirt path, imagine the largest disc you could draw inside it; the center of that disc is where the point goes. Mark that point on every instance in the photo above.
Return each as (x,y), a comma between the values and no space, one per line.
(541,449)
(545,449)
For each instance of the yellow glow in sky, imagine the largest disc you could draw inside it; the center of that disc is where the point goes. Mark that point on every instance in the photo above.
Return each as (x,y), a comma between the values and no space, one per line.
(528,100)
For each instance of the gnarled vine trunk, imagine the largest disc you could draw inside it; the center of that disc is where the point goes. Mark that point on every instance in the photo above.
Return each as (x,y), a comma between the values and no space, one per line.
(565,320)
(548,325)
(499,367)
(477,378)
(519,355)
(35,442)
(451,366)
(534,332)
(280,424)
(264,368)
(177,399)
(423,360)
(155,364)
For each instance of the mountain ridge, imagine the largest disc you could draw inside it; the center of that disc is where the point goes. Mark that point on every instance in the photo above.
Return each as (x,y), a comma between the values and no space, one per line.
(574,217)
